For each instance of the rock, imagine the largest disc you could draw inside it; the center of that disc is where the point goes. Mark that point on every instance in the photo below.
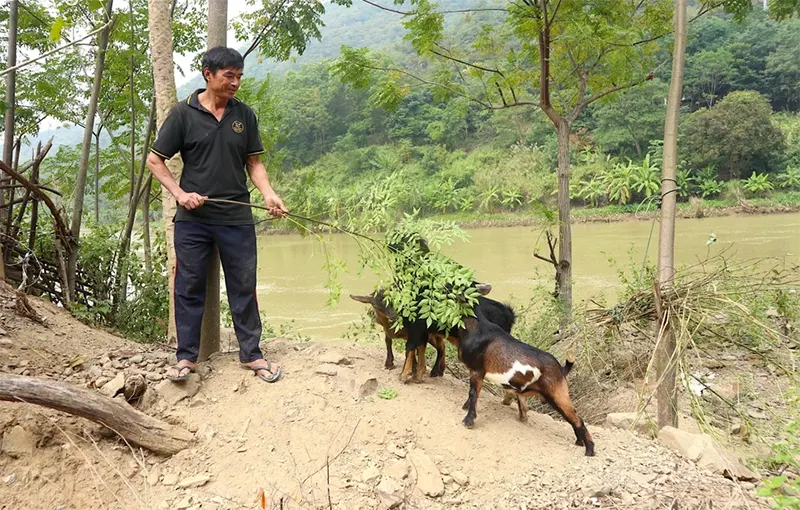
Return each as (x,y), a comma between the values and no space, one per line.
(706,452)
(169,479)
(334,358)
(153,376)
(593,487)
(5,342)
(95,372)
(148,399)
(18,442)
(370,475)
(772,312)
(137,359)
(366,386)
(153,475)
(135,386)
(447,479)
(460,478)
(389,492)
(10,479)
(632,421)
(194,481)
(757,415)
(327,369)
(429,480)
(641,479)
(183,504)
(114,386)
(398,470)
(393,449)
(174,392)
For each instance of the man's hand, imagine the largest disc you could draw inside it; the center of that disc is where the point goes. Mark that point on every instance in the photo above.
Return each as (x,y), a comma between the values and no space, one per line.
(190,200)
(275,205)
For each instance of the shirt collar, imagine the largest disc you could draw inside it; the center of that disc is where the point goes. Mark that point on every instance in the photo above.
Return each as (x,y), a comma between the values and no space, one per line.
(193,101)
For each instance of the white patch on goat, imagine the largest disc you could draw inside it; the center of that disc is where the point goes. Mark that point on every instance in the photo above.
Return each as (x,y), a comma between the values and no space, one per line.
(504,379)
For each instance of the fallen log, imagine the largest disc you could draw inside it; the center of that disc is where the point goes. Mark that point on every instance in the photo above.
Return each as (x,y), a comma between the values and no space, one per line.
(134,426)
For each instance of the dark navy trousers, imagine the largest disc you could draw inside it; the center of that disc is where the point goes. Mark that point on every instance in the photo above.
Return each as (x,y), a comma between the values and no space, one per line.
(237,252)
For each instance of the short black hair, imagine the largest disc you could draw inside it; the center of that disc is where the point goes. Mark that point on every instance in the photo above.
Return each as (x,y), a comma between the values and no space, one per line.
(221,57)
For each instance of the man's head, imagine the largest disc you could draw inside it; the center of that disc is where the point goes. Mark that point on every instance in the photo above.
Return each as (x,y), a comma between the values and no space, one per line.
(222,69)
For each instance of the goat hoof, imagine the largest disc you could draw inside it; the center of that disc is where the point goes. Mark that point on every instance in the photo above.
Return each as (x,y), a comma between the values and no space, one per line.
(388,366)
(465,406)
(523,419)
(579,442)
(469,423)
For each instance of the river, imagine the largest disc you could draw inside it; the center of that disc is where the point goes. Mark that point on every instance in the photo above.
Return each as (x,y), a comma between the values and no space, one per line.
(291,276)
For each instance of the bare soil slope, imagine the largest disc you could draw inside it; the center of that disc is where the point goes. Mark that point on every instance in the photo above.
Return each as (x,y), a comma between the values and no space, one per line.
(322,437)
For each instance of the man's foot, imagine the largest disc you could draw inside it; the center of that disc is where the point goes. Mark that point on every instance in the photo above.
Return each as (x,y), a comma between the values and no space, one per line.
(265,370)
(181,370)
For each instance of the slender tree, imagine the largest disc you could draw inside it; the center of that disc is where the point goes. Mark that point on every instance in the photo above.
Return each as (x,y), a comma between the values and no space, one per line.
(159,16)
(209,331)
(666,346)
(91,112)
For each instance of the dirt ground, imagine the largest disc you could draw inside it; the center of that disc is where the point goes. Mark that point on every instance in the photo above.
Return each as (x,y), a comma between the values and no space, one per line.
(338,431)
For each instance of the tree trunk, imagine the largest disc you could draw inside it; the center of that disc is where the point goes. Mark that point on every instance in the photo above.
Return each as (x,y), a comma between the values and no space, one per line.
(8,132)
(209,331)
(123,251)
(564,272)
(160,28)
(217,23)
(134,426)
(80,182)
(667,395)
(146,242)
(97,177)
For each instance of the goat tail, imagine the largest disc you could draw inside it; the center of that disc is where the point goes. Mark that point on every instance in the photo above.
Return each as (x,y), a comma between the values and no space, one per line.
(570,361)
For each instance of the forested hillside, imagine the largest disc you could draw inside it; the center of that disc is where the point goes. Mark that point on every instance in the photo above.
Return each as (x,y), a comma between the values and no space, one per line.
(740,134)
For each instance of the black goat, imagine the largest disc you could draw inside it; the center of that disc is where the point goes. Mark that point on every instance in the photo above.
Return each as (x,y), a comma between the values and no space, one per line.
(522,370)
(417,334)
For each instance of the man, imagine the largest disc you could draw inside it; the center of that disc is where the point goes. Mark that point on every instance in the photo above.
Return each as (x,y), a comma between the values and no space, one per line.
(217,137)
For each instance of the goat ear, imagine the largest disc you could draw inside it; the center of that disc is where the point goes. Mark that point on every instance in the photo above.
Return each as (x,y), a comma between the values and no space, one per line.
(484,288)
(362,299)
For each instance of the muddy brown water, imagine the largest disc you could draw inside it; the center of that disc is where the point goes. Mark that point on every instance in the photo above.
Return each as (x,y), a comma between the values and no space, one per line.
(291,275)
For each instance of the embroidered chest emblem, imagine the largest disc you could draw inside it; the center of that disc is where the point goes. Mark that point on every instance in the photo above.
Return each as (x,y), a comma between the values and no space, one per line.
(237,126)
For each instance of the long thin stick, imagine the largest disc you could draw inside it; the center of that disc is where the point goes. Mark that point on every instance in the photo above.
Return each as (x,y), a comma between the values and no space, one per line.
(56,50)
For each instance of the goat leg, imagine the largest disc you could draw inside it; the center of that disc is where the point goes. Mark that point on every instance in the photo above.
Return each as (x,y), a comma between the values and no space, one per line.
(408,365)
(560,401)
(389,354)
(421,368)
(475,385)
(439,366)
(523,409)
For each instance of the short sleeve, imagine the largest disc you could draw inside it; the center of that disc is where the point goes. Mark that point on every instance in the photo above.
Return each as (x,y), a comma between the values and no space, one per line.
(254,143)
(170,137)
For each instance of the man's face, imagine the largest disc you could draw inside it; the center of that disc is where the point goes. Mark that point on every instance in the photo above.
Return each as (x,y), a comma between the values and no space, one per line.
(225,82)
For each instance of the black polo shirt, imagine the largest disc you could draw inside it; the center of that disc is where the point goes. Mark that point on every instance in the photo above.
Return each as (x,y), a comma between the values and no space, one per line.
(214,157)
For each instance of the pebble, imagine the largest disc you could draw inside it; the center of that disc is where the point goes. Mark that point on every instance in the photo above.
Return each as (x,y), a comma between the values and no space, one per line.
(137,359)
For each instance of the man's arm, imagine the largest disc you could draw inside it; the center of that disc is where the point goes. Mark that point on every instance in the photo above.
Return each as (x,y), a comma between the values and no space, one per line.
(258,174)
(156,165)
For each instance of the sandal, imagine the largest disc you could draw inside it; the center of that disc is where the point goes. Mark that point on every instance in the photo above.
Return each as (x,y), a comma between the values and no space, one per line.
(257,370)
(181,376)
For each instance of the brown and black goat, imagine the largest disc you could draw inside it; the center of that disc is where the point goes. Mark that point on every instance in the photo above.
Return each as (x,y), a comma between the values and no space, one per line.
(522,370)
(414,366)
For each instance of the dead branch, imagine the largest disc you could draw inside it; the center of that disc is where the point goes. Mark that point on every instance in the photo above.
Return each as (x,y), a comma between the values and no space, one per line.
(134,426)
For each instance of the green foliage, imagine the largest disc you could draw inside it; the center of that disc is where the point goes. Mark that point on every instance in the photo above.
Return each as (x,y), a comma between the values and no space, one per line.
(737,135)
(425,284)
(789,179)
(387,393)
(757,184)
(784,488)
